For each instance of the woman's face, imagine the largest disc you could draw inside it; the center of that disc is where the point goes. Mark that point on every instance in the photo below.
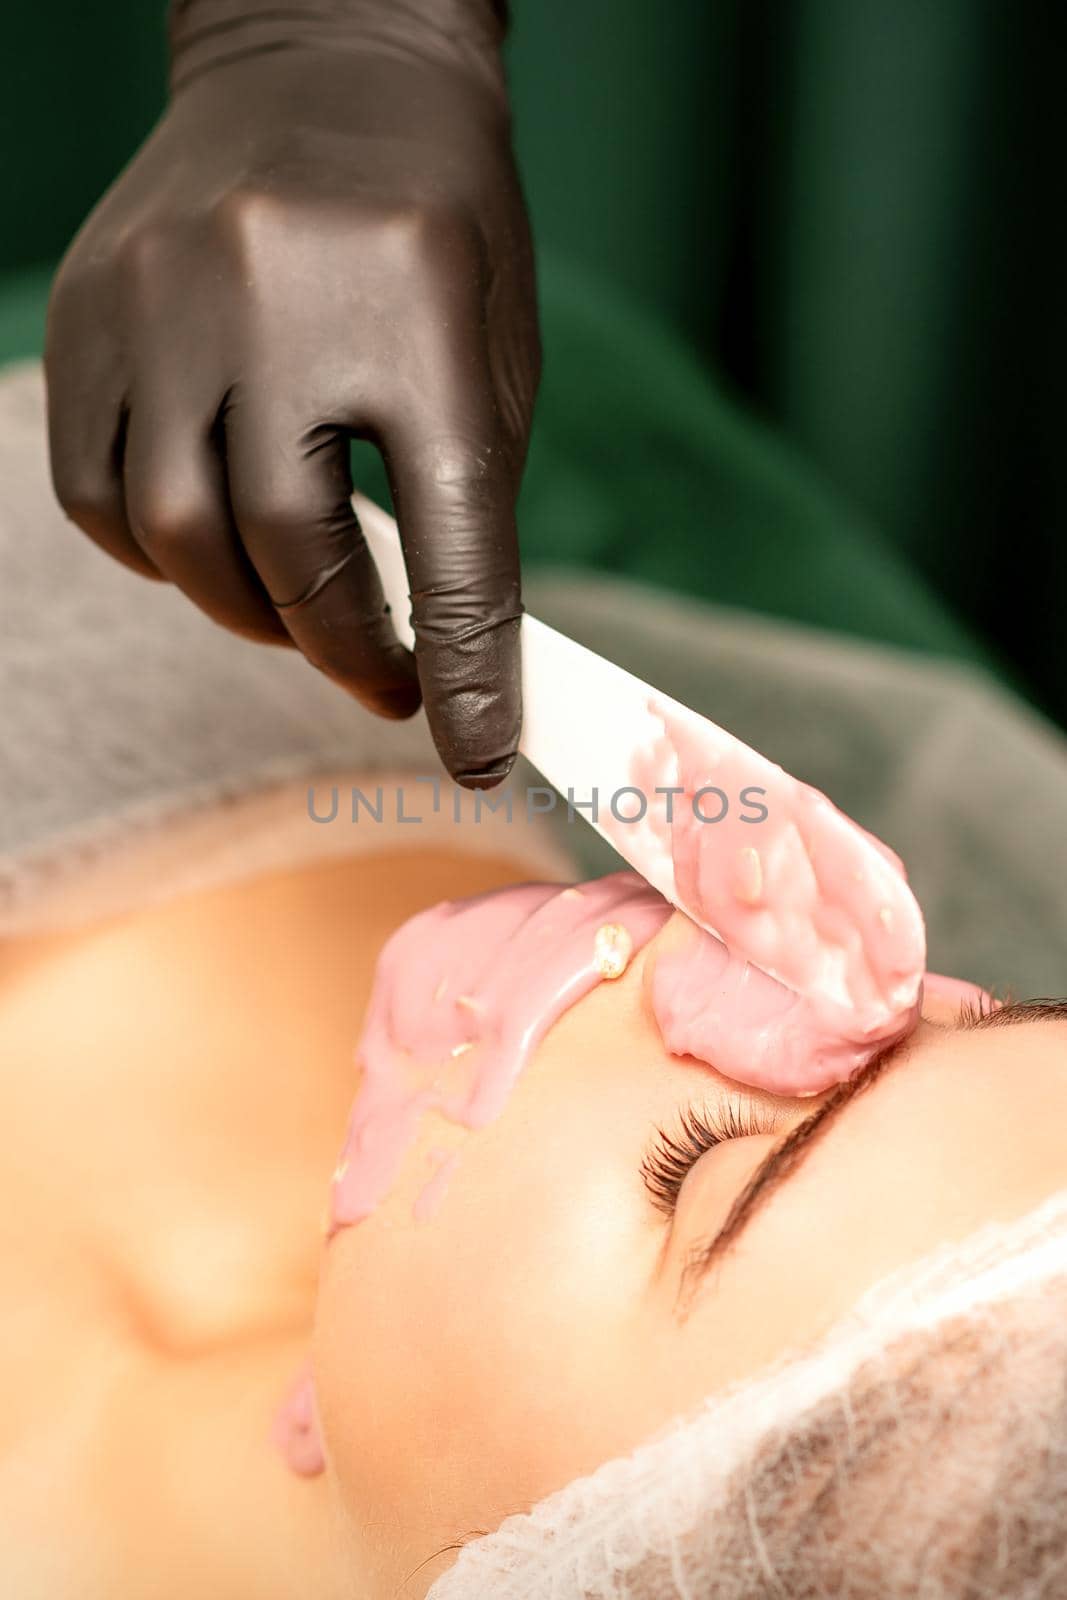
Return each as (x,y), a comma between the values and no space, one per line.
(556,1308)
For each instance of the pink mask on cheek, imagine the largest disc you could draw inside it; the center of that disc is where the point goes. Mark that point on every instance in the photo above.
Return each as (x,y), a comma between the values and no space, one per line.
(493,972)
(463,994)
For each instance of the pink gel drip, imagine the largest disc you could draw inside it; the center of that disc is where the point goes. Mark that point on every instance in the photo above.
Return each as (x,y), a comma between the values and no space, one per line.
(433,1191)
(296,1429)
(820,947)
(463,994)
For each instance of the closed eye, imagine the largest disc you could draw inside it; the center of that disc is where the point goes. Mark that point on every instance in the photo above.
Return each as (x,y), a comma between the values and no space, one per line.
(674,1152)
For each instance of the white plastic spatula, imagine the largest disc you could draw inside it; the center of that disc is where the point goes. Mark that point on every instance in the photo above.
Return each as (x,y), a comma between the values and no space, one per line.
(808,896)
(583,717)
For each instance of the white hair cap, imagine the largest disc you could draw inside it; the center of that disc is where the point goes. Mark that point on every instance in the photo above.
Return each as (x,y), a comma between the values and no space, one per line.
(918,1450)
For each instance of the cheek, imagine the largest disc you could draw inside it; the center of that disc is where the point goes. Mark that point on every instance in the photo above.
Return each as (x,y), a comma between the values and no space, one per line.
(475,1361)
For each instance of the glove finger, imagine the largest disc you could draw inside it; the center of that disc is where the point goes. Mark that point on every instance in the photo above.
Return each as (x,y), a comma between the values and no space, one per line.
(453,474)
(290,489)
(87,419)
(179,512)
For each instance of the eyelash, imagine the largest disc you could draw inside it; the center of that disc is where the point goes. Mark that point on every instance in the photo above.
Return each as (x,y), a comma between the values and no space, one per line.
(673,1155)
(973,1012)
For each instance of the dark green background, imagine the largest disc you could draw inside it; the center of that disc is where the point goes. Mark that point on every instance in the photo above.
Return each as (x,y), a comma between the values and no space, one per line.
(849,211)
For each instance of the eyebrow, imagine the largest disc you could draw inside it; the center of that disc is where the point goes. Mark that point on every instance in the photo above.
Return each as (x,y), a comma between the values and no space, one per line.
(787,1157)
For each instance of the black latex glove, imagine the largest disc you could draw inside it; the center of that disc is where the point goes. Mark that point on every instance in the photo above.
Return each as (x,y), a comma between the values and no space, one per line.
(324,237)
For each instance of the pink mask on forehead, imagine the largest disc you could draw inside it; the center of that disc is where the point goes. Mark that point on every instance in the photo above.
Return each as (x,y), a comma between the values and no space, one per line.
(821,946)
(463,994)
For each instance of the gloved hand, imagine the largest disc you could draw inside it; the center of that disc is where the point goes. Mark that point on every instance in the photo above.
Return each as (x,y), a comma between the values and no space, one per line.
(324,237)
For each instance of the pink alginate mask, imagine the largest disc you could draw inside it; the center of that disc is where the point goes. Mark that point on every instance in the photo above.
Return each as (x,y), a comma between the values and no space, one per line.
(804,955)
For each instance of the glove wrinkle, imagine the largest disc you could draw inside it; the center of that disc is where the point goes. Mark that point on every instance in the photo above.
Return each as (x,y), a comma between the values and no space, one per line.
(317,584)
(463,34)
(440,633)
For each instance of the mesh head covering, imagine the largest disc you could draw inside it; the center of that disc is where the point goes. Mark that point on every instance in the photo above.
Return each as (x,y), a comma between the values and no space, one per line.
(918,1450)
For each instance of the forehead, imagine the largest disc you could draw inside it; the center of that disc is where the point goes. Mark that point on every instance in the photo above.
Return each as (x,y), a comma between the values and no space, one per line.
(965,1128)
(959,1091)
(963,1116)
(984,1064)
